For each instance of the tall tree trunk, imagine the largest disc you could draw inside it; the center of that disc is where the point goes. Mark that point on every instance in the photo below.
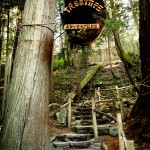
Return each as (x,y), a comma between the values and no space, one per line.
(68,53)
(1,39)
(141,109)
(51,79)
(8,29)
(0,36)
(9,65)
(78,77)
(25,124)
(109,55)
(120,49)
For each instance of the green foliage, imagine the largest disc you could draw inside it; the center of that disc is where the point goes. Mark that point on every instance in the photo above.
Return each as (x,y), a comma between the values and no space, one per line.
(132,57)
(60,3)
(100,79)
(115,82)
(113,24)
(128,56)
(84,57)
(59,64)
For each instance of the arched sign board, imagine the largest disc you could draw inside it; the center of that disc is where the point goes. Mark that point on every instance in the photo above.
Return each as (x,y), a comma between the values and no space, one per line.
(83,20)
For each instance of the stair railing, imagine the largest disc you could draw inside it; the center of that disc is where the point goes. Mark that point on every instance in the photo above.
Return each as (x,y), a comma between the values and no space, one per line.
(124,144)
(94,119)
(118,98)
(69,110)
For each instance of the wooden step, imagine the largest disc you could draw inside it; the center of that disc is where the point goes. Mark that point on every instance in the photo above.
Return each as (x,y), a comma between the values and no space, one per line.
(74,137)
(77,113)
(102,129)
(85,117)
(73,144)
(105,126)
(84,109)
(90,121)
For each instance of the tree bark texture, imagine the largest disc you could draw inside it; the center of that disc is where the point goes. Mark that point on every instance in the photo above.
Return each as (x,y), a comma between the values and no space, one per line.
(141,110)
(25,125)
(143,102)
(78,76)
(1,39)
(8,31)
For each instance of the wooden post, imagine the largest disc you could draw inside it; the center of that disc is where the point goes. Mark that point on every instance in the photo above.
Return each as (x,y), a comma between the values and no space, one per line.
(94,119)
(69,113)
(122,109)
(120,134)
(130,145)
(95,94)
(121,103)
(99,92)
(113,107)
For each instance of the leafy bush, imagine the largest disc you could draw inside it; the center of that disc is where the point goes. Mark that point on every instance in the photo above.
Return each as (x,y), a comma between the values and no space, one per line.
(59,64)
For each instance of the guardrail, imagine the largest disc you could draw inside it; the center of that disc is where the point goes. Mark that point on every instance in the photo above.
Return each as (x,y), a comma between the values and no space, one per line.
(69,110)
(124,144)
(118,98)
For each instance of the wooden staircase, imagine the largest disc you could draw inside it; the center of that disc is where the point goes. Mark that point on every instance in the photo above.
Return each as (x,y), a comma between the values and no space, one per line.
(83,136)
(83,122)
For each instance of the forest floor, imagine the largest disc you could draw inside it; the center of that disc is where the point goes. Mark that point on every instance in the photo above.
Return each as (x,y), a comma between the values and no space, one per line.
(64,82)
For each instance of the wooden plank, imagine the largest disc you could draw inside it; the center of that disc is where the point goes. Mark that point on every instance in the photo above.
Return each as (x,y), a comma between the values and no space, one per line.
(102,113)
(94,119)
(121,103)
(99,93)
(120,133)
(90,74)
(130,145)
(81,26)
(99,127)
(109,100)
(87,78)
(120,88)
(69,113)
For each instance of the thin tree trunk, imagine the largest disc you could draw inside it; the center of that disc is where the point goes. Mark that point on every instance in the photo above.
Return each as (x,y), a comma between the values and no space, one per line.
(109,55)
(1,34)
(1,39)
(8,23)
(141,111)
(142,106)
(26,124)
(67,51)
(120,49)
(78,77)
(9,65)
(134,14)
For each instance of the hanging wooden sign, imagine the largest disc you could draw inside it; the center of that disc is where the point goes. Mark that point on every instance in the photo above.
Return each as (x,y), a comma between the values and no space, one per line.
(83,20)
(81,26)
